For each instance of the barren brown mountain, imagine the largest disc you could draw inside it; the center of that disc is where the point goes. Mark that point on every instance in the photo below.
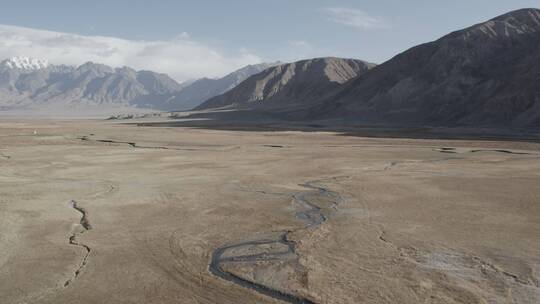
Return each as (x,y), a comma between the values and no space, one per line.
(290,84)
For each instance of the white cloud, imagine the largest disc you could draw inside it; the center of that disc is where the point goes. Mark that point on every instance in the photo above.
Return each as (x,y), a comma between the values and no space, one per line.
(354,18)
(181,57)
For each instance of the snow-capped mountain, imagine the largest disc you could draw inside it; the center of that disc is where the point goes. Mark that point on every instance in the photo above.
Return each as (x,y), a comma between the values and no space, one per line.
(33,83)
(25,63)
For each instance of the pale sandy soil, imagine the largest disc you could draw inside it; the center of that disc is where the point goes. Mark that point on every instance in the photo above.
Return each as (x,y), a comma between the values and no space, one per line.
(414,223)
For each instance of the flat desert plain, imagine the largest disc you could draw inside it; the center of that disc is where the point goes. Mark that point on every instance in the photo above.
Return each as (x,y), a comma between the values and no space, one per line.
(104,212)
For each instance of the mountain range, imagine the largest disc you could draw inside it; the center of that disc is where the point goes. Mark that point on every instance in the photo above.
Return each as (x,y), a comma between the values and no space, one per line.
(484,75)
(29,83)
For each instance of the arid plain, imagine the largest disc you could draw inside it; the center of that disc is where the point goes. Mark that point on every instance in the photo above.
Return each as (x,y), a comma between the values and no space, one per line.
(104,212)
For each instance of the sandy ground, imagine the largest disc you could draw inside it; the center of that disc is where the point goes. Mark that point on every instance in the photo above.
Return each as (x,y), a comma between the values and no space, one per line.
(99,212)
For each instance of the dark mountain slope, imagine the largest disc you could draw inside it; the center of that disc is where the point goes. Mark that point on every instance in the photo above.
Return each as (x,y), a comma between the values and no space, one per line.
(487,74)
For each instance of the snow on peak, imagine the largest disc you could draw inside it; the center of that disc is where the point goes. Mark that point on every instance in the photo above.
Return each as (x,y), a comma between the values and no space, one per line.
(25,63)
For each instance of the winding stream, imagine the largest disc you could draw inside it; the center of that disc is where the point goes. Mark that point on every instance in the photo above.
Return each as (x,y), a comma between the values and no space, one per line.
(258,253)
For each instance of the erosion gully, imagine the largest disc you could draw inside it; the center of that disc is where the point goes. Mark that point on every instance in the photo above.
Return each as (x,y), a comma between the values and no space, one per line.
(85,224)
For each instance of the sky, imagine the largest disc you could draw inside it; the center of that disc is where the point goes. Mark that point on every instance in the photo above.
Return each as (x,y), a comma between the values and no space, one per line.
(193,39)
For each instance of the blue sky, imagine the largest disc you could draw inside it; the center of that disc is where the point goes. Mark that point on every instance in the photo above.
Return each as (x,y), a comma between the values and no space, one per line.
(190,37)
